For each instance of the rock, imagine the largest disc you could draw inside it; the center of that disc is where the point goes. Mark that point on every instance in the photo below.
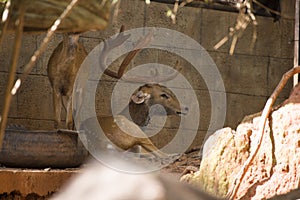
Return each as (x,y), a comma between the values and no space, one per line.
(276,168)
(222,159)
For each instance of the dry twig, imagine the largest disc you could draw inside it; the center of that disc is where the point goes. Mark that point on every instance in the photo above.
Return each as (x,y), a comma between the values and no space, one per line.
(4,20)
(244,18)
(173,13)
(261,131)
(12,69)
(272,11)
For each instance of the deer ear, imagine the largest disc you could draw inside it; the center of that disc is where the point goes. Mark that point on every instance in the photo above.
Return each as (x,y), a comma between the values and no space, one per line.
(140,97)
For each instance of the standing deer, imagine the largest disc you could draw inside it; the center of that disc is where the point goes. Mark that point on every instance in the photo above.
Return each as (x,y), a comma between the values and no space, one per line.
(63,66)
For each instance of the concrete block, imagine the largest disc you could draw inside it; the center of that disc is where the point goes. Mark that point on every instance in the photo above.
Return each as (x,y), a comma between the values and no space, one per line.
(124,16)
(288,8)
(32,124)
(13,106)
(245,74)
(6,52)
(276,70)
(287,38)
(156,16)
(236,109)
(127,17)
(215,25)
(35,98)
(189,21)
(268,37)
(27,49)
(188,71)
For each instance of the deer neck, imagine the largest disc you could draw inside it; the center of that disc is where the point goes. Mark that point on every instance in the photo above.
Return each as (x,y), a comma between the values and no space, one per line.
(138,113)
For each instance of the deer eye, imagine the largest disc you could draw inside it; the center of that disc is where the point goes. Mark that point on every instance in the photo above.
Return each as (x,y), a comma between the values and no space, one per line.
(165,96)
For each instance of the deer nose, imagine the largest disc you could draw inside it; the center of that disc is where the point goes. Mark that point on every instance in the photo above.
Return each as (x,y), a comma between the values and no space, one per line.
(185,109)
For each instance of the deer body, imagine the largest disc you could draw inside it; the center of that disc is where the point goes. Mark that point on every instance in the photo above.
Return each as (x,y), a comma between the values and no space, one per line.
(124,130)
(62,68)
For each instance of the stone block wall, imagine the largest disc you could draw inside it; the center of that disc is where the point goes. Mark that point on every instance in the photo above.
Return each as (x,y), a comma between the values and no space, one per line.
(249,76)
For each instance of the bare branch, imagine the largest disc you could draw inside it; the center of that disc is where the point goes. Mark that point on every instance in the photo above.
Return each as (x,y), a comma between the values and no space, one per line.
(273,11)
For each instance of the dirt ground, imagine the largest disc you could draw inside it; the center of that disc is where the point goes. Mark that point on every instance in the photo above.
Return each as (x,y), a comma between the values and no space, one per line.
(189,160)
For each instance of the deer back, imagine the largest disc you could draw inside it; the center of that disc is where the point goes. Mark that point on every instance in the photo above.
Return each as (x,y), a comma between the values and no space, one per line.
(64,63)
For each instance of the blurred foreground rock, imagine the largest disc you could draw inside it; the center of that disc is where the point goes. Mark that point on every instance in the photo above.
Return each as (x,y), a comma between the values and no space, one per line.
(276,168)
(101,182)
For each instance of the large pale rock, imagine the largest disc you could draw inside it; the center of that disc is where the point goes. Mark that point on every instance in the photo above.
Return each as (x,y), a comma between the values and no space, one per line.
(276,168)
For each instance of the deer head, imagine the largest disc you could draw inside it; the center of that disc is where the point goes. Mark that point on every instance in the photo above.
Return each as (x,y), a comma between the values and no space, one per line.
(151,94)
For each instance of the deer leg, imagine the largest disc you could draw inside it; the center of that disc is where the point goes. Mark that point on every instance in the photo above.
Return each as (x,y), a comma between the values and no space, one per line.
(135,149)
(151,148)
(69,117)
(57,103)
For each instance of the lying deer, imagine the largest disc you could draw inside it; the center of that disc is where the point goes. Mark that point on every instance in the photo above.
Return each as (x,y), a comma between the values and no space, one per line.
(62,69)
(123,130)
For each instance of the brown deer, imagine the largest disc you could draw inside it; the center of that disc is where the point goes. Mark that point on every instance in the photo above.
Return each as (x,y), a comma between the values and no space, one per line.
(63,66)
(123,130)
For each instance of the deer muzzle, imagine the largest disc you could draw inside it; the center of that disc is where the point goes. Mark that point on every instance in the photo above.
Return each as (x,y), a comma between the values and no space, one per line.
(184,110)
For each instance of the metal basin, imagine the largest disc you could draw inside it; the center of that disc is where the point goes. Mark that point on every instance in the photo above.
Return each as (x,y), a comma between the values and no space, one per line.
(42,149)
